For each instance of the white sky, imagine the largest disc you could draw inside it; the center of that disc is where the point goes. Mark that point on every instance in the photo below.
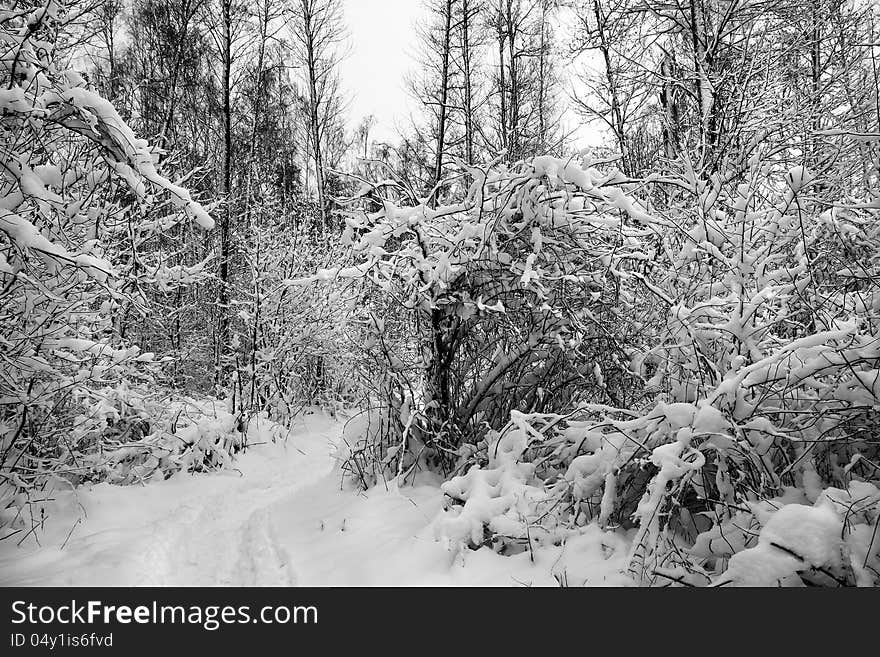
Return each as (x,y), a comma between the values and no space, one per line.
(382,42)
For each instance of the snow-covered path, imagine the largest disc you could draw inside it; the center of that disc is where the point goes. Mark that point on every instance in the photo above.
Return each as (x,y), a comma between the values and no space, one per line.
(227,538)
(202,530)
(281,518)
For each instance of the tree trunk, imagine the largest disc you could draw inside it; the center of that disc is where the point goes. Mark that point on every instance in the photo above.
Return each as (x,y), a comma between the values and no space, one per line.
(444,93)
(314,117)
(502,88)
(226,218)
(468,84)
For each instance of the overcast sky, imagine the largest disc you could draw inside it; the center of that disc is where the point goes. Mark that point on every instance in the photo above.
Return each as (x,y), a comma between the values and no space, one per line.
(382,44)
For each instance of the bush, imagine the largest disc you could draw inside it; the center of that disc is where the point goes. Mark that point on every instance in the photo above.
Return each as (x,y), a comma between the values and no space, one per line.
(75,183)
(502,302)
(572,357)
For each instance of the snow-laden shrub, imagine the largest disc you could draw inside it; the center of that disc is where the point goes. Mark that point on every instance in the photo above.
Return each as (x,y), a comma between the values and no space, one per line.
(186,437)
(74,187)
(797,539)
(504,503)
(501,302)
(767,331)
(717,360)
(132,438)
(292,342)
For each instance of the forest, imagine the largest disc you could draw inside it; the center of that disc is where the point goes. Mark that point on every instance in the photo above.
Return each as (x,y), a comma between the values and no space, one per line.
(657,348)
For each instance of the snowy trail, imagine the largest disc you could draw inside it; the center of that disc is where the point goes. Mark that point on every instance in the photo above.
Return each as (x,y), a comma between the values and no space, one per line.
(223,539)
(281,519)
(204,530)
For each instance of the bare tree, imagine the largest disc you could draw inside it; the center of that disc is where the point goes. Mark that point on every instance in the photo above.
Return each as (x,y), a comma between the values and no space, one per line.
(523,86)
(230,38)
(432,87)
(470,41)
(616,95)
(318,32)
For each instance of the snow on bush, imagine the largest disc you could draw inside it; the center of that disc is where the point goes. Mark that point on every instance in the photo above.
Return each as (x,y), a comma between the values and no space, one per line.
(795,537)
(503,301)
(571,355)
(293,342)
(74,187)
(502,499)
(832,541)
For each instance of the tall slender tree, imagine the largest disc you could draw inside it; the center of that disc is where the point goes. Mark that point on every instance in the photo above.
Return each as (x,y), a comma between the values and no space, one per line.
(318,33)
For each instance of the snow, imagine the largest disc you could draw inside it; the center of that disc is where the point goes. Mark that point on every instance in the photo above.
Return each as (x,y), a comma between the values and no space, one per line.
(814,533)
(282,517)
(188,530)
(795,538)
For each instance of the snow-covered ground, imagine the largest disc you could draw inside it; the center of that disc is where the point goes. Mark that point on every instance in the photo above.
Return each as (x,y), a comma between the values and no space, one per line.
(283,518)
